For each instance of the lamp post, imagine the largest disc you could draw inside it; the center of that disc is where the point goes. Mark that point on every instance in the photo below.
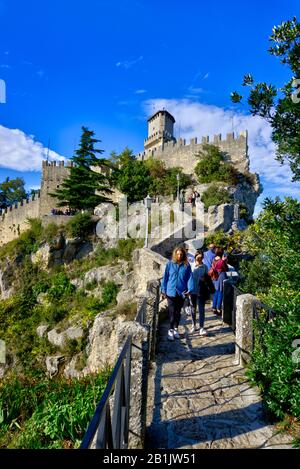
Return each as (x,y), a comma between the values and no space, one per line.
(178,179)
(147,202)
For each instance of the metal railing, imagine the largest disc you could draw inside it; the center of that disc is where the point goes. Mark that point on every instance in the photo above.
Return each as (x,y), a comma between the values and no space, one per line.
(231,292)
(109,427)
(109,430)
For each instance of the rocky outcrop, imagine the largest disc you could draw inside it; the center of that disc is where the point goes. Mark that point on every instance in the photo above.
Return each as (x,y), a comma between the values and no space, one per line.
(53,364)
(61,251)
(61,339)
(7,278)
(120,273)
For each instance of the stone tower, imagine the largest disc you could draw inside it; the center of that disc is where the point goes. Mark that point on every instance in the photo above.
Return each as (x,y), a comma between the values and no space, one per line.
(160,131)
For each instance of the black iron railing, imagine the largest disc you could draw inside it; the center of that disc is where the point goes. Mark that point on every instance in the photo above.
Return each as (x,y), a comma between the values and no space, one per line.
(109,428)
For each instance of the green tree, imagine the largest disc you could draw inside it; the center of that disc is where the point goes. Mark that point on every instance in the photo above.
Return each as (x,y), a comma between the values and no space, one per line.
(172,183)
(215,195)
(133,179)
(12,191)
(213,167)
(280,107)
(78,191)
(274,276)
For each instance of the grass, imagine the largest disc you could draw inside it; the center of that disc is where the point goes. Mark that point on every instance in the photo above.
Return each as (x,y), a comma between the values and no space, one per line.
(33,417)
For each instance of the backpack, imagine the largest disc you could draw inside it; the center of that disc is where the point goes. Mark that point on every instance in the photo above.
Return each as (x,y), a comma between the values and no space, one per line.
(213,273)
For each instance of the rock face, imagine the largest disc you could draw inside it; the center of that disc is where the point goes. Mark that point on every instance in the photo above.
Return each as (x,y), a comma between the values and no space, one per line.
(53,363)
(103,342)
(119,273)
(60,339)
(41,330)
(6,279)
(61,251)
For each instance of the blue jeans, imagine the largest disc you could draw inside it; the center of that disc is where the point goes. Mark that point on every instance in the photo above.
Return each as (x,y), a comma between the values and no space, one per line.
(217,299)
(200,303)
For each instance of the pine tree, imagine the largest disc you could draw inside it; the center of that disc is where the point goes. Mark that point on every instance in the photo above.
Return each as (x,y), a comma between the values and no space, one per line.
(78,191)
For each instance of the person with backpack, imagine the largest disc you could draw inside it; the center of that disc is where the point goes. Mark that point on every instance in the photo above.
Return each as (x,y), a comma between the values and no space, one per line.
(177,283)
(209,256)
(218,275)
(203,287)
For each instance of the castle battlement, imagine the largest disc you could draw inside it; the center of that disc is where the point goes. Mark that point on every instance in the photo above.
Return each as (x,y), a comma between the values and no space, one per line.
(62,163)
(20,204)
(180,153)
(217,139)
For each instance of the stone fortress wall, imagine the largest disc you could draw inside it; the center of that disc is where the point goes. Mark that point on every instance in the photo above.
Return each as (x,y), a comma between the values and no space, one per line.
(181,154)
(14,220)
(161,145)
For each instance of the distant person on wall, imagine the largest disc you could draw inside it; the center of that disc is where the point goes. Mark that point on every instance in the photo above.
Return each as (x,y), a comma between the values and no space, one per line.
(177,283)
(209,256)
(203,287)
(218,274)
(194,196)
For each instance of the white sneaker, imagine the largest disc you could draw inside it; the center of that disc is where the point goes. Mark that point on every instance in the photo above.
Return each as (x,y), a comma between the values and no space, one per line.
(202,331)
(176,335)
(171,334)
(193,329)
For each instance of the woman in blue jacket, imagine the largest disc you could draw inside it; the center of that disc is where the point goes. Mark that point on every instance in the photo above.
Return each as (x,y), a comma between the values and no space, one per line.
(177,283)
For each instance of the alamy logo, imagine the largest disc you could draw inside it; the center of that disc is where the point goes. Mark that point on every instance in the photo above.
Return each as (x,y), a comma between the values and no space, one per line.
(296,94)
(2,352)
(296,353)
(2,92)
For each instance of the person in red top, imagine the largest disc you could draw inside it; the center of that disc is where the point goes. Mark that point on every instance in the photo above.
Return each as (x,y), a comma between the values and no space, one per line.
(220,267)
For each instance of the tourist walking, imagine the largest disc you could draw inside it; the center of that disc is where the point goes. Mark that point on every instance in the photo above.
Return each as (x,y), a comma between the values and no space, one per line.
(218,275)
(203,287)
(177,283)
(209,256)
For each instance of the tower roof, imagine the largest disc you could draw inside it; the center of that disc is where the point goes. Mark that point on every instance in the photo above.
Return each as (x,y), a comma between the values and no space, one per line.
(164,112)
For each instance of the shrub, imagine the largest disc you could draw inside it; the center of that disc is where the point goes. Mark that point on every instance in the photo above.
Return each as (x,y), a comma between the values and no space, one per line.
(32,406)
(60,286)
(212,166)
(109,294)
(80,226)
(215,195)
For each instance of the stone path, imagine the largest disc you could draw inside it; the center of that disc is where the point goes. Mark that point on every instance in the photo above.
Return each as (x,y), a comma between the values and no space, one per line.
(198,397)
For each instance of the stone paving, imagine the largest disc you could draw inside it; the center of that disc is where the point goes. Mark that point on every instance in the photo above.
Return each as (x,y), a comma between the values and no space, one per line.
(199,398)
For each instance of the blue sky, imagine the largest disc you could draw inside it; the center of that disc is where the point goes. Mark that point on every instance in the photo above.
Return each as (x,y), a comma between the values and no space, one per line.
(108,64)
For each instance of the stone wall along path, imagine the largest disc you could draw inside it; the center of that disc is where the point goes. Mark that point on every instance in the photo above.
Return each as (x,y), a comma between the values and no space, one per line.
(199,398)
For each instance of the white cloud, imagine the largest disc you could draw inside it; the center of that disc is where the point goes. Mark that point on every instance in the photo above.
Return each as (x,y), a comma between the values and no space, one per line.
(206,76)
(195,90)
(196,120)
(129,63)
(5,66)
(140,91)
(21,152)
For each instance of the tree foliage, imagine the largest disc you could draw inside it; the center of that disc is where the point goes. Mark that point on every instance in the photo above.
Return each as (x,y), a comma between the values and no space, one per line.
(215,195)
(274,276)
(137,178)
(280,107)
(213,167)
(78,191)
(12,191)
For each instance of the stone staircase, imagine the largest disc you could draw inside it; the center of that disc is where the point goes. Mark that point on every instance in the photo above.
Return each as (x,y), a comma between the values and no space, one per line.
(198,398)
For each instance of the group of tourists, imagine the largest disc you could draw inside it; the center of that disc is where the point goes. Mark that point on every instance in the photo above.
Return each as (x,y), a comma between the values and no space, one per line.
(67,212)
(189,281)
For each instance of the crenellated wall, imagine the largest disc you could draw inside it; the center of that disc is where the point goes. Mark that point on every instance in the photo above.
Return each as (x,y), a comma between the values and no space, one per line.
(14,220)
(180,153)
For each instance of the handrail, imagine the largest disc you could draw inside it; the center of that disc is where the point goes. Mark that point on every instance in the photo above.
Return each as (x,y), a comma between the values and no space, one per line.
(112,431)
